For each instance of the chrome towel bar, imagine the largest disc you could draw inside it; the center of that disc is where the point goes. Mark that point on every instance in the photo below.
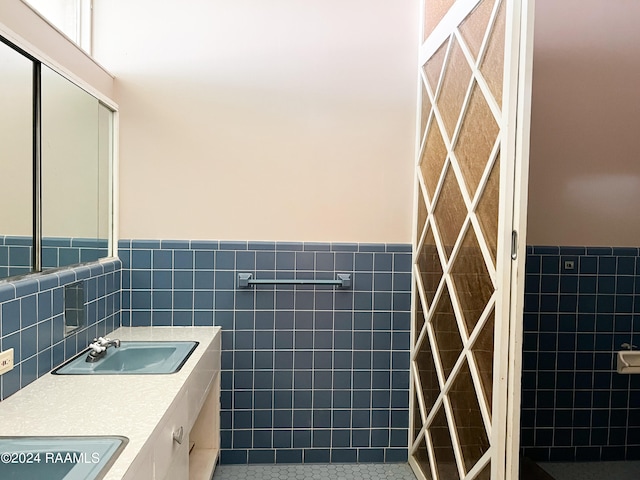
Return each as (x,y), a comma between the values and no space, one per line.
(245,280)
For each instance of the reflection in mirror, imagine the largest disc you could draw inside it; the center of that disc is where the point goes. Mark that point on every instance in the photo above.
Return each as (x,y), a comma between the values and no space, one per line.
(76,148)
(16,161)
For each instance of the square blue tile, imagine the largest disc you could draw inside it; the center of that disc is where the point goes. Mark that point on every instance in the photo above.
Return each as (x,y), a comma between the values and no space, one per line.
(301,438)
(263,418)
(183,280)
(341,437)
(321,399)
(361,438)
(243,359)
(246,260)
(242,420)
(341,399)
(183,259)
(321,418)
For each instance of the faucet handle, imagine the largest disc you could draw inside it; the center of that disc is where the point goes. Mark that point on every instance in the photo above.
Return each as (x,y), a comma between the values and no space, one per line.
(106,342)
(628,346)
(96,346)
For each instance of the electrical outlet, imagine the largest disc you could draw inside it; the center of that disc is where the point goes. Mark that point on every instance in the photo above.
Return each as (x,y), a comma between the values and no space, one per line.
(6,361)
(569,265)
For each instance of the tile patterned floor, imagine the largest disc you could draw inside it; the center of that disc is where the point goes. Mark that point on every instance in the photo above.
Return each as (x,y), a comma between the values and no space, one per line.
(369,471)
(592,470)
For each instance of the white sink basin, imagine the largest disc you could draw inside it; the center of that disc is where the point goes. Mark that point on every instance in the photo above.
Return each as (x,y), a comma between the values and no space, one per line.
(628,361)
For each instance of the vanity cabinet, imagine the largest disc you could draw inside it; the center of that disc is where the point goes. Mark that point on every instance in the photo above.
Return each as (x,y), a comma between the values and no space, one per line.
(185,449)
(186,442)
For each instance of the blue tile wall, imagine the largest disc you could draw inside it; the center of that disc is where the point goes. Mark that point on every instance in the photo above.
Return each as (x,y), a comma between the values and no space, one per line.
(15,253)
(310,374)
(581,304)
(32,323)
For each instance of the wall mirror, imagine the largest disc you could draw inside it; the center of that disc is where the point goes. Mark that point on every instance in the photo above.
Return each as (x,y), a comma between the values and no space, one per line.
(16,162)
(56,150)
(76,138)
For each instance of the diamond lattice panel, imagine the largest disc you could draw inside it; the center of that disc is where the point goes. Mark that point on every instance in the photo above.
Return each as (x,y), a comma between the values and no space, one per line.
(477,136)
(442,447)
(492,66)
(483,355)
(472,434)
(429,267)
(473,285)
(474,27)
(450,211)
(487,210)
(455,268)
(447,335)
(434,155)
(454,87)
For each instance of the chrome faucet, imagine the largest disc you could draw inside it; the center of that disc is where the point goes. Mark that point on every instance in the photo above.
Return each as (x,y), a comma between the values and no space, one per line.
(99,348)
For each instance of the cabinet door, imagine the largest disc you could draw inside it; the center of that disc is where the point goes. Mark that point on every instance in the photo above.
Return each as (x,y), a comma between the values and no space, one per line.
(171,452)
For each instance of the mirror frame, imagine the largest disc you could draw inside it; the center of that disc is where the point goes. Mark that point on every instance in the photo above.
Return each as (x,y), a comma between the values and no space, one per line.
(36,257)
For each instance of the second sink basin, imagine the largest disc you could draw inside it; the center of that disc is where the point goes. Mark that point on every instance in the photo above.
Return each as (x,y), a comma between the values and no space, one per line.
(134,358)
(58,458)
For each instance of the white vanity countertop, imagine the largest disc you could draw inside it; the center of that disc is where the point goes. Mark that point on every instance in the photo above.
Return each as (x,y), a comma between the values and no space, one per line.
(125,405)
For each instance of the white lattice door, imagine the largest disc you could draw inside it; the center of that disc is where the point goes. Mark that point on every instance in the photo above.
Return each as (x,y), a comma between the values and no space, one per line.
(471,176)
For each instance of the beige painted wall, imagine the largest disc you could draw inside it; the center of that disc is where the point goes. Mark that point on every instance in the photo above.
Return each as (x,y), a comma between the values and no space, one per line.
(277,120)
(585,143)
